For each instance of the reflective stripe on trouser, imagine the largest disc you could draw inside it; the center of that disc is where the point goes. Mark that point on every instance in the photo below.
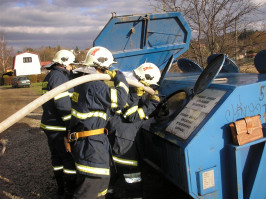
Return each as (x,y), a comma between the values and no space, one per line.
(69,171)
(133,177)
(133,185)
(91,187)
(58,168)
(103,193)
(125,161)
(92,170)
(61,160)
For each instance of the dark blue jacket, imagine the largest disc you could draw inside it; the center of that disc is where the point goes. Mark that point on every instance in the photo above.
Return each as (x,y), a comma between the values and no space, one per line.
(125,125)
(91,106)
(57,111)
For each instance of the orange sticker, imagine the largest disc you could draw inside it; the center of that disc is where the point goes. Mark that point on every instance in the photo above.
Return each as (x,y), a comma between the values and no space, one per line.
(94,52)
(145,68)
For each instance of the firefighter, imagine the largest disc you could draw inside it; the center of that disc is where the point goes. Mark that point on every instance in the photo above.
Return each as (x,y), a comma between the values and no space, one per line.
(55,120)
(92,103)
(124,127)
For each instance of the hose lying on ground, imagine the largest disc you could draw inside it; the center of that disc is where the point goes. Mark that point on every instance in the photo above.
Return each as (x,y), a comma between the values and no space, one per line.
(54,92)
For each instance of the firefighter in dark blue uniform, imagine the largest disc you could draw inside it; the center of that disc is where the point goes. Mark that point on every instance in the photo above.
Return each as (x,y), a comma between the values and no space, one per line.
(91,106)
(124,127)
(55,119)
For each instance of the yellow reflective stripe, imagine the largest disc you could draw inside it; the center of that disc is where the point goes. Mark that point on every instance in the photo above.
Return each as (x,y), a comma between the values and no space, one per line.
(130,111)
(67,117)
(44,91)
(141,113)
(88,115)
(125,162)
(70,94)
(113,98)
(57,168)
(52,128)
(93,170)
(69,171)
(61,95)
(119,111)
(123,85)
(102,193)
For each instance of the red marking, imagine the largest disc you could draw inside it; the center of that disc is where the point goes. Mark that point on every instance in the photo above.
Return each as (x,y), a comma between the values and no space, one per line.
(94,52)
(145,68)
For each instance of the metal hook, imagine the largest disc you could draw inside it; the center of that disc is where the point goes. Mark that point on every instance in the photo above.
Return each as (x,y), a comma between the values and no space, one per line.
(113,14)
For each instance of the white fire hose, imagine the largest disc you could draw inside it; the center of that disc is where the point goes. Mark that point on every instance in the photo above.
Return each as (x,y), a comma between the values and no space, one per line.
(54,92)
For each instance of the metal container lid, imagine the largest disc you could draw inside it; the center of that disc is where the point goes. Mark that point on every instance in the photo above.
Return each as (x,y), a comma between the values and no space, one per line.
(136,39)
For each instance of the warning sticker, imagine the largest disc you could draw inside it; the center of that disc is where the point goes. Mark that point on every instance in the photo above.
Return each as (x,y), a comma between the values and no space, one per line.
(194,113)
(208,179)
(206,100)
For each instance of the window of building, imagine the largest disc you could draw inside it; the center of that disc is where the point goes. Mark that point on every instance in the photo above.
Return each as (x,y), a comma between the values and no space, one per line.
(27,59)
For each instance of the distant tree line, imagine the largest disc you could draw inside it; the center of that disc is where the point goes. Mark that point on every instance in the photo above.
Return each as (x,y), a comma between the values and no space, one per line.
(218,26)
(45,53)
(6,54)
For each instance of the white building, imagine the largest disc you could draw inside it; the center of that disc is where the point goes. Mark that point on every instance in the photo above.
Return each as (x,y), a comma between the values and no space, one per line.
(27,64)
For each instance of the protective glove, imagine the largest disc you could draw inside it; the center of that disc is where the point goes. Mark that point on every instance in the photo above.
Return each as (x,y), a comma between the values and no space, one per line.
(144,83)
(155,96)
(140,91)
(112,73)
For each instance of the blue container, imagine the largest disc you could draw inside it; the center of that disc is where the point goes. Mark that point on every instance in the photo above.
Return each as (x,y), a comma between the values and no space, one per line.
(135,39)
(189,139)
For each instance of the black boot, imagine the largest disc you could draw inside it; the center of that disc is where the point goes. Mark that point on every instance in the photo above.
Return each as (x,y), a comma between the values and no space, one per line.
(60,182)
(70,186)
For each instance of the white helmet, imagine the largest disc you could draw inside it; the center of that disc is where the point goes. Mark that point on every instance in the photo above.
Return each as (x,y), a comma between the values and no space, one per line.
(149,73)
(99,57)
(64,57)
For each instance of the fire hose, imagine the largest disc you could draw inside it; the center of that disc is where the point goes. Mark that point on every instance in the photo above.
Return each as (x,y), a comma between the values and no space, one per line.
(61,88)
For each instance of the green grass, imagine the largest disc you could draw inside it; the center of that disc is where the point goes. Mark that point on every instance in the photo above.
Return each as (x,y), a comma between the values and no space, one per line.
(37,87)
(5,86)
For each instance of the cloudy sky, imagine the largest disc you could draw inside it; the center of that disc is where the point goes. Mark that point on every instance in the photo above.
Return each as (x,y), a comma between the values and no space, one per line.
(68,23)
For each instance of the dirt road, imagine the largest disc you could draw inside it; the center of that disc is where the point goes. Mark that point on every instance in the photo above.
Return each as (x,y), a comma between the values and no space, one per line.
(25,169)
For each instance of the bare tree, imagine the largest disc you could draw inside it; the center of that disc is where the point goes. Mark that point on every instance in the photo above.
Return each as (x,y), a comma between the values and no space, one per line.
(6,54)
(215,24)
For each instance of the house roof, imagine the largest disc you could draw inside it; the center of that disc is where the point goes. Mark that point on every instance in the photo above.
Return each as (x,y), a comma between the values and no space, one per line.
(26,52)
(45,63)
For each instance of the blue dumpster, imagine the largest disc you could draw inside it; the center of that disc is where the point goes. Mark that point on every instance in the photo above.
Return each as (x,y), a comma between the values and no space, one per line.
(189,140)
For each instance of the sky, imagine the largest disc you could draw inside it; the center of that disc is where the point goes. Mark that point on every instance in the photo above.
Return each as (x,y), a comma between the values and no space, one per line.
(68,23)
